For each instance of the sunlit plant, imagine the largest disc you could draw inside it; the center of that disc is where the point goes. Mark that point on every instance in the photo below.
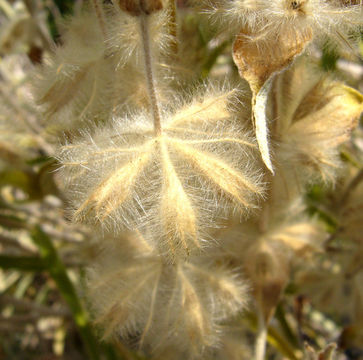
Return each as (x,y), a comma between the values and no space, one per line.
(197,185)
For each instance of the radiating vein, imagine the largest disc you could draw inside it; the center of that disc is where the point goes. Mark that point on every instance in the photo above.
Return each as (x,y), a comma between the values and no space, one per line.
(112,192)
(220,173)
(178,215)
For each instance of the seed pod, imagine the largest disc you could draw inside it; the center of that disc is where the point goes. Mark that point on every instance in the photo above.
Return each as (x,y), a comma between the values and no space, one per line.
(138,7)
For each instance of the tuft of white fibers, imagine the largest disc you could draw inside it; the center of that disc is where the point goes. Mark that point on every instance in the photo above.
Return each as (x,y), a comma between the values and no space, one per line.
(99,68)
(271,18)
(313,115)
(136,295)
(126,39)
(178,182)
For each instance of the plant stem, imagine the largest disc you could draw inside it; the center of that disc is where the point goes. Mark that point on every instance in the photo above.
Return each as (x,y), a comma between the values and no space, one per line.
(58,272)
(260,345)
(289,334)
(172,27)
(274,338)
(22,263)
(144,26)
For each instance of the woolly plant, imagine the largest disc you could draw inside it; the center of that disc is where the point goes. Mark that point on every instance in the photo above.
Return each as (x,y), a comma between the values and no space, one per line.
(197,191)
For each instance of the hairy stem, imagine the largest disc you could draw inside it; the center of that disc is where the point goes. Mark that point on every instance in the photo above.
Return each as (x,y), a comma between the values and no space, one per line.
(172,27)
(144,26)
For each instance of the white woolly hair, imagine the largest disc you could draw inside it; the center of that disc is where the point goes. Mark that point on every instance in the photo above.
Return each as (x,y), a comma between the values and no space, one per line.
(275,17)
(267,255)
(126,39)
(76,79)
(178,183)
(98,69)
(136,295)
(315,114)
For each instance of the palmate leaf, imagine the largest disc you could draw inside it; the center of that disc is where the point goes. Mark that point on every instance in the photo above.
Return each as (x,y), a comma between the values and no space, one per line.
(199,167)
(179,215)
(136,295)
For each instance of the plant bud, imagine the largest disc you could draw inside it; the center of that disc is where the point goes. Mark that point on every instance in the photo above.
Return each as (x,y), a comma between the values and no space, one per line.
(138,7)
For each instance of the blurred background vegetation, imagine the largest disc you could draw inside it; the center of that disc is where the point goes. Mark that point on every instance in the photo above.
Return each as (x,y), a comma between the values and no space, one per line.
(42,255)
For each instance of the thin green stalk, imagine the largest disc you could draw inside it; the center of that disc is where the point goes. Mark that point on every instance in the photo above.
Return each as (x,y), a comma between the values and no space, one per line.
(59,274)
(212,59)
(280,316)
(23,263)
